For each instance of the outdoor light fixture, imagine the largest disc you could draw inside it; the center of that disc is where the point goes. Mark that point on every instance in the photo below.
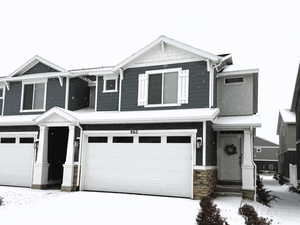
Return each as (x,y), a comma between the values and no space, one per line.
(199,142)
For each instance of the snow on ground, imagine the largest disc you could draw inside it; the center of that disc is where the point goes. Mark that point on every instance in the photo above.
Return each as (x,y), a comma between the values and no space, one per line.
(52,206)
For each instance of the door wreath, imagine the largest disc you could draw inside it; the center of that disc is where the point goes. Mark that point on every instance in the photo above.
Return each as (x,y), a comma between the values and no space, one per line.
(230,149)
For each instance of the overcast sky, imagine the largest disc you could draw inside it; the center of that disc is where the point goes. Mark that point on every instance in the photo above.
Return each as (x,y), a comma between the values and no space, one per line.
(75,34)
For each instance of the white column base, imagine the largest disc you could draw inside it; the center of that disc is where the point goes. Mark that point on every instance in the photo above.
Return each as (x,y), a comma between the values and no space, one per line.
(68,176)
(248,180)
(40,175)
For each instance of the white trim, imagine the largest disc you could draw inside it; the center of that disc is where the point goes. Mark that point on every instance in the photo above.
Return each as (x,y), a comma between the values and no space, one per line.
(204,144)
(238,73)
(96,92)
(67,93)
(104,85)
(163,72)
(267,160)
(171,42)
(178,132)
(120,90)
(292,149)
(32,62)
(3,100)
(45,82)
(261,146)
(204,167)
(211,84)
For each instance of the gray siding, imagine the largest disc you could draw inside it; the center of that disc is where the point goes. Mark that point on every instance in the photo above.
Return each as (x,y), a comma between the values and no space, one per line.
(79,92)
(284,160)
(198,86)
(108,101)
(267,153)
(266,166)
(255,93)
(92,97)
(55,97)
(236,99)
(40,68)
(154,126)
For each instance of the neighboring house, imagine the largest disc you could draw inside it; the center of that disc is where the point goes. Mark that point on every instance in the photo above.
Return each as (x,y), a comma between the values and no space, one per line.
(265,155)
(169,120)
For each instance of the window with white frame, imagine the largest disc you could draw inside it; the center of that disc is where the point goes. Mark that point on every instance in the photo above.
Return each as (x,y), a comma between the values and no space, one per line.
(110,85)
(33,96)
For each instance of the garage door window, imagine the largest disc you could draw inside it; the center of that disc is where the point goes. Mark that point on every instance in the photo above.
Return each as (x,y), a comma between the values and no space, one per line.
(178,139)
(26,140)
(149,139)
(8,140)
(97,139)
(122,139)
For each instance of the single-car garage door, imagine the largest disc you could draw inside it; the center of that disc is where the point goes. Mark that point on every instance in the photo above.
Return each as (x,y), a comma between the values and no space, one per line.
(145,164)
(16,160)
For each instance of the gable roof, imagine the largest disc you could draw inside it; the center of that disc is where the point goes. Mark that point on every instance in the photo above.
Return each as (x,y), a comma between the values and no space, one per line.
(258,141)
(172,42)
(296,91)
(285,116)
(32,62)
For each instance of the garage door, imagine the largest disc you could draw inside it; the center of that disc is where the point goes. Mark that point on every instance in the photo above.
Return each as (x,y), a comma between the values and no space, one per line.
(16,160)
(155,165)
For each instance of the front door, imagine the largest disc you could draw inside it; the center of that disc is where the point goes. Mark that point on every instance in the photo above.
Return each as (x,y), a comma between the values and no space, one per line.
(229,157)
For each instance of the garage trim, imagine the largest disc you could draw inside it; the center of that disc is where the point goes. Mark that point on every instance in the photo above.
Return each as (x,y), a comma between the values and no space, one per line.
(135,134)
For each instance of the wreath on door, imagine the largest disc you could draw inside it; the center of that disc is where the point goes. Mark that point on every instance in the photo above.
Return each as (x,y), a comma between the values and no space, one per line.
(230,149)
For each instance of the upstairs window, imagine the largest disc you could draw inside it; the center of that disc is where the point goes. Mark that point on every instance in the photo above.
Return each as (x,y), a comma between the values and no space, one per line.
(110,85)
(33,96)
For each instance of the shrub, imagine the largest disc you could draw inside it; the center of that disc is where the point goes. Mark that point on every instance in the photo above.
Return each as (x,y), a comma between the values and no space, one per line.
(251,217)
(293,189)
(209,213)
(281,180)
(1,201)
(263,195)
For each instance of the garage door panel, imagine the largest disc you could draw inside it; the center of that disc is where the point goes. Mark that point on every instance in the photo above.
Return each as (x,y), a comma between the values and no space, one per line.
(158,169)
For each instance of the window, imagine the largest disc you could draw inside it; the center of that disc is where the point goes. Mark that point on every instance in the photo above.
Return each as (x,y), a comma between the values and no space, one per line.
(26,140)
(122,139)
(34,96)
(97,139)
(163,88)
(110,85)
(234,80)
(149,139)
(8,140)
(179,139)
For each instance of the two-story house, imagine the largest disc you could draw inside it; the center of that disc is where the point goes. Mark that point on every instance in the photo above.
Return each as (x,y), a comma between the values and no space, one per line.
(265,155)
(169,120)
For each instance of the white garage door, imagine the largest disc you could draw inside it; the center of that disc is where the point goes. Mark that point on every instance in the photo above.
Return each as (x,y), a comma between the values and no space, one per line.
(16,160)
(143,164)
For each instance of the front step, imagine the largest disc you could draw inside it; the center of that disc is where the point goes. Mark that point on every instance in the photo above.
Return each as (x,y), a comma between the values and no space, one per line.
(229,190)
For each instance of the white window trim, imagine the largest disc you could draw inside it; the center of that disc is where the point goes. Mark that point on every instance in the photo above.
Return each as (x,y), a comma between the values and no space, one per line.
(105,79)
(162,71)
(234,83)
(258,149)
(2,98)
(44,81)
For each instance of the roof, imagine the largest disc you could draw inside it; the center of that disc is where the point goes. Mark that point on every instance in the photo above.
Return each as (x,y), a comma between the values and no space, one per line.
(296,91)
(232,122)
(172,42)
(285,116)
(237,70)
(89,116)
(259,141)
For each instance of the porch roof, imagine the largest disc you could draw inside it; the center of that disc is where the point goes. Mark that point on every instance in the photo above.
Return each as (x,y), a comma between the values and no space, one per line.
(236,122)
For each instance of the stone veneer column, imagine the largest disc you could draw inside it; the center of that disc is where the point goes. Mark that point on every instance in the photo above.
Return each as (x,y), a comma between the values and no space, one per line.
(41,166)
(68,176)
(248,179)
(204,182)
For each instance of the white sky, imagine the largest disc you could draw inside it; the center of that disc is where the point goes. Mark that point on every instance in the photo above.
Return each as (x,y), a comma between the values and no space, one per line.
(75,34)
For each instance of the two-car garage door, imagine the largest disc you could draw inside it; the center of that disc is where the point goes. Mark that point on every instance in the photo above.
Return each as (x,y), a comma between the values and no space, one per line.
(147,164)
(16,160)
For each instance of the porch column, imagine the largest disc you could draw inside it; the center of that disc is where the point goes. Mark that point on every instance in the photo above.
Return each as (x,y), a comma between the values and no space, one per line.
(67,184)
(41,165)
(248,175)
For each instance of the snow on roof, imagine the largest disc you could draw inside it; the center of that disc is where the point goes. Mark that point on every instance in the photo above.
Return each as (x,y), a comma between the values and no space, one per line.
(237,121)
(89,116)
(287,116)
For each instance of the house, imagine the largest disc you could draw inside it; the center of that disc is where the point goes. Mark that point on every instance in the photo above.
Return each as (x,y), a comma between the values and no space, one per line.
(169,120)
(265,155)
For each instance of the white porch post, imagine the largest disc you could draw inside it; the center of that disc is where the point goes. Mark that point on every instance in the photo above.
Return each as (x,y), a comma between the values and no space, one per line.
(248,179)
(67,184)
(40,174)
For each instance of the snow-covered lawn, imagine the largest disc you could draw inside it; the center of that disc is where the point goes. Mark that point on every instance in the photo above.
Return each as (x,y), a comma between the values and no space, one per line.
(24,206)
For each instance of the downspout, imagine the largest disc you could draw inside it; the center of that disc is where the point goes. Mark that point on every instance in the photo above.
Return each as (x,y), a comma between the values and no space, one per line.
(120,88)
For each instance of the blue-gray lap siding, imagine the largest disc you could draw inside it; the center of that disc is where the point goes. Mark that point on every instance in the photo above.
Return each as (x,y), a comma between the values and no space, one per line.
(211,154)
(108,101)
(40,68)
(198,86)
(55,97)
(298,130)
(79,94)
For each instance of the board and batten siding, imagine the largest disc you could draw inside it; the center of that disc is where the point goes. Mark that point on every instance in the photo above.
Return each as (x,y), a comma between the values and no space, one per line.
(198,86)
(108,101)
(55,97)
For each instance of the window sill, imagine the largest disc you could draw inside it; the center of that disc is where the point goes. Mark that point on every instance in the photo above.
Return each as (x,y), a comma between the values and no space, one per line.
(161,105)
(33,110)
(110,91)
